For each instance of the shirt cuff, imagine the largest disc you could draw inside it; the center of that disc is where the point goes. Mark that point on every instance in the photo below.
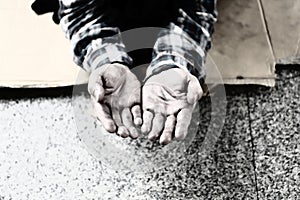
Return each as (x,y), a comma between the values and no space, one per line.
(99,54)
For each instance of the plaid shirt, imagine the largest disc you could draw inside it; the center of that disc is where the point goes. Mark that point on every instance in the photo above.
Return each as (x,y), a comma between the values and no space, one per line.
(95,42)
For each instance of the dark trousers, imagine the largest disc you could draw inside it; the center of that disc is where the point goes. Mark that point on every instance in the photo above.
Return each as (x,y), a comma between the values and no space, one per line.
(129,14)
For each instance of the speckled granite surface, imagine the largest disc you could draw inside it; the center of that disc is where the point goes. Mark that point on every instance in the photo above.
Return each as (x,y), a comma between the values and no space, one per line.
(275,123)
(227,173)
(41,156)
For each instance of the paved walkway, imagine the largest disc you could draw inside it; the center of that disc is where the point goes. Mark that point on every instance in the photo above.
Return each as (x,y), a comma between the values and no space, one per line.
(256,157)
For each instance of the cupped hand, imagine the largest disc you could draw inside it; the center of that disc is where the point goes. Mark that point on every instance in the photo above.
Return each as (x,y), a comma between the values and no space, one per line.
(169,99)
(115,92)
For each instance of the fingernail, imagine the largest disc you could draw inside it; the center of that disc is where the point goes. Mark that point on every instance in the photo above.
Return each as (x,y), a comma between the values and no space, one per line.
(111,128)
(122,132)
(163,141)
(138,121)
(152,138)
(133,133)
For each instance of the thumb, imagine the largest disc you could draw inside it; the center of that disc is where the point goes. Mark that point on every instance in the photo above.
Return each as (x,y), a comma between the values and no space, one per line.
(98,93)
(194,90)
(95,87)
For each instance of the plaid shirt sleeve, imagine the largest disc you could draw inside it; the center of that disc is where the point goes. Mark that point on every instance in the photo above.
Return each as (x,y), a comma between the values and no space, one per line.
(94,41)
(184,43)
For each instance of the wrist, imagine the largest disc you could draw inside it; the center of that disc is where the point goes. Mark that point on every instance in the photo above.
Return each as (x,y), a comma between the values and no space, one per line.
(164,62)
(158,70)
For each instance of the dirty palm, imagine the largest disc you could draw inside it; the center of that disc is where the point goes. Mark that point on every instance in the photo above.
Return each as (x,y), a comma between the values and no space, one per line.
(163,103)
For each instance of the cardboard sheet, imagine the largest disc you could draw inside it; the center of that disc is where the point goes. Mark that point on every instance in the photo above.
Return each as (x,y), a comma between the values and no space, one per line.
(241,49)
(283,22)
(35,53)
(33,50)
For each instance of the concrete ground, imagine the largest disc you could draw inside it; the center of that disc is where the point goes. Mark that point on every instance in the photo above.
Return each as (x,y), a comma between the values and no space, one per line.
(256,156)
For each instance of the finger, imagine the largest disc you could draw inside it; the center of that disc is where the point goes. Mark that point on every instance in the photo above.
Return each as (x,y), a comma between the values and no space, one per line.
(127,121)
(117,117)
(95,87)
(194,90)
(137,116)
(166,135)
(147,121)
(133,133)
(123,132)
(103,114)
(183,120)
(157,126)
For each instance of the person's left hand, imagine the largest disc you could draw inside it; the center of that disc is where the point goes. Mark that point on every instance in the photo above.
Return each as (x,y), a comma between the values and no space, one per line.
(169,98)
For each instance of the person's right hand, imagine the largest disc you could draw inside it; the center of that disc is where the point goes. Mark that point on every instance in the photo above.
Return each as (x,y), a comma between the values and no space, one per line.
(115,92)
